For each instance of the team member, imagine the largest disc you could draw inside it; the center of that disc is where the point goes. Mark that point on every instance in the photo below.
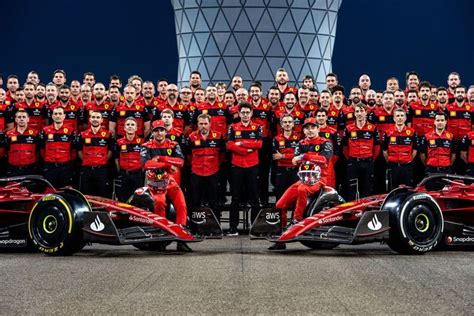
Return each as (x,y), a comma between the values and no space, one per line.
(129,109)
(150,102)
(75,94)
(442,98)
(161,149)
(437,150)
(181,119)
(315,151)
(284,145)
(88,78)
(72,111)
(86,94)
(421,114)
(400,146)
(281,79)
(364,84)
(293,109)
(95,147)
(467,152)
(162,87)
(454,80)
(244,141)
(37,111)
(332,135)
(128,160)
(33,77)
(100,104)
(22,146)
(392,84)
(412,81)
(58,143)
(303,102)
(12,85)
(59,77)
(40,92)
(361,147)
(206,148)
(195,80)
(460,114)
(216,109)
(331,81)
(5,118)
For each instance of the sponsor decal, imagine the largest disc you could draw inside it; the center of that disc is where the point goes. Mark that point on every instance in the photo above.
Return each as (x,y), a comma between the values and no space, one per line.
(382,118)
(418,112)
(97,225)
(197,143)
(282,142)
(393,139)
(50,136)
(461,240)
(452,113)
(139,219)
(103,134)
(237,133)
(122,113)
(13,138)
(353,134)
(330,220)
(349,115)
(13,242)
(124,147)
(432,142)
(374,224)
(198,217)
(169,151)
(204,111)
(30,132)
(272,218)
(316,148)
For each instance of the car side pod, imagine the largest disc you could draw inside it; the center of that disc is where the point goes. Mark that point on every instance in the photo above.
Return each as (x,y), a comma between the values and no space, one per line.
(416,222)
(266,225)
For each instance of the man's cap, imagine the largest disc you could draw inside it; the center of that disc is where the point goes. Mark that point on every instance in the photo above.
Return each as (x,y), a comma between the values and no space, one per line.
(310,120)
(158,124)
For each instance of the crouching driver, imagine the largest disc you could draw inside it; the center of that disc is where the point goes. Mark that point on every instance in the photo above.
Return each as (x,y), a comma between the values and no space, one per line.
(313,154)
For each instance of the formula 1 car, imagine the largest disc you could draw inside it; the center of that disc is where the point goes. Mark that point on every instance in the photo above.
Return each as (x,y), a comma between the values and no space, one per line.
(438,212)
(61,222)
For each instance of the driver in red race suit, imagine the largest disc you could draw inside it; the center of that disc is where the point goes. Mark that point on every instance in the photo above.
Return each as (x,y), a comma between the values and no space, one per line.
(311,152)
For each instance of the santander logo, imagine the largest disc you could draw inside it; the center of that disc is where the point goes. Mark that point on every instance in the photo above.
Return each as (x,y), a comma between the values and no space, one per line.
(374,224)
(97,225)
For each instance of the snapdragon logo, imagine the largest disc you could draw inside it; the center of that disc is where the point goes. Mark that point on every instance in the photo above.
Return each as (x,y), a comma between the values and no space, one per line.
(374,224)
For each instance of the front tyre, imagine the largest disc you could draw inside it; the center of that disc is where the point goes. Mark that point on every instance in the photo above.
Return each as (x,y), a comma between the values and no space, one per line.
(416,225)
(55,224)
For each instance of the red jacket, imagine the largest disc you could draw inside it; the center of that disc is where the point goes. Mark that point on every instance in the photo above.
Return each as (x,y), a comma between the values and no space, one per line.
(205,153)
(382,119)
(122,111)
(105,108)
(168,152)
(218,112)
(422,117)
(181,115)
(22,148)
(317,150)
(74,114)
(298,117)
(400,145)
(286,147)
(251,138)
(57,145)
(467,144)
(128,153)
(361,142)
(37,112)
(460,119)
(95,147)
(438,149)
(262,116)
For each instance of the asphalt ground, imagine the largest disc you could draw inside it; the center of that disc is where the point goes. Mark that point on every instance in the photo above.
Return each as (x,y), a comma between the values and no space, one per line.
(238,276)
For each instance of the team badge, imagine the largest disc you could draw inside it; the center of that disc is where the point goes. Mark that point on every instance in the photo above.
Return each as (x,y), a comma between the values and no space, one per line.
(306,167)
(333,113)
(103,134)
(468,107)
(137,107)
(197,143)
(408,132)
(124,147)
(50,136)
(214,135)
(327,135)
(30,132)
(173,137)
(7,102)
(122,113)
(106,106)
(169,151)
(297,113)
(316,147)
(65,131)
(180,107)
(432,106)
(254,127)
(418,112)
(155,102)
(219,105)
(159,176)
(139,140)
(72,107)
(88,140)
(369,126)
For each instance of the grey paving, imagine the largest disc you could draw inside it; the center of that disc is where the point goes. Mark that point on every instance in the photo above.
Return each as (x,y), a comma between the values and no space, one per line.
(238,276)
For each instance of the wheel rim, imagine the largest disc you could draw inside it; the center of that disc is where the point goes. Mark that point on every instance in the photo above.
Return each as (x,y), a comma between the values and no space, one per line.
(422,225)
(50,226)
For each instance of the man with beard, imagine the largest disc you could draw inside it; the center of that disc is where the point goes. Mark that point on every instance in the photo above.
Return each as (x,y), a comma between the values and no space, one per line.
(162,87)
(21,147)
(361,147)
(421,114)
(412,81)
(330,134)
(412,97)
(434,93)
(37,112)
(128,160)
(331,81)
(59,77)
(33,77)
(86,94)
(40,92)
(292,109)
(442,98)
(75,98)
(72,112)
(364,84)
(20,95)
(392,84)
(437,150)
(150,102)
(94,148)
(399,96)
(281,80)
(5,117)
(470,94)
(114,96)
(182,120)
(101,104)
(262,115)
(114,81)
(308,82)
(347,114)
(195,80)
(129,108)
(88,78)
(185,96)
(12,85)
(383,118)
(313,96)
(206,149)
(57,142)
(214,108)
(454,80)
(237,83)
(244,141)
(400,146)
(370,100)
(303,102)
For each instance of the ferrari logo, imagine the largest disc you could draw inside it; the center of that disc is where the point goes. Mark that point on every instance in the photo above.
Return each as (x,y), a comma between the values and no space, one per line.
(169,151)
(333,113)
(13,138)
(106,106)
(468,107)
(7,102)
(155,102)
(124,147)
(265,106)
(197,143)
(88,140)
(452,113)
(30,132)
(72,107)
(122,113)
(220,105)
(254,127)
(139,140)
(382,118)
(297,113)
(66,130)
(103,134)
(393,139)
(137,107)
(214,135)
(432,106)
(50,136)
(353,134)
(173,137)
(306,167)
(408,132)
(159,176)
(327,135)
(180,107)
(316,148)
(369,127)
(418,112)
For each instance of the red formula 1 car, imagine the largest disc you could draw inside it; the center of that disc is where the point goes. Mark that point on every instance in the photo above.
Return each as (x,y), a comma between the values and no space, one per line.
(61,222)
(438,212)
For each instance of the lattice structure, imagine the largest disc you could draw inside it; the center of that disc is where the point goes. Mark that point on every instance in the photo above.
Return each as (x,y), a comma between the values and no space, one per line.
(253,38)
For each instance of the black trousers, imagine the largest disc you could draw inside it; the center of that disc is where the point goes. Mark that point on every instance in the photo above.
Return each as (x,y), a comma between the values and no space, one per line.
(59,174)
(244,184)
(265,160)
(400,173)
(380,175)
(93,181)
(14,171)
(285,177)
(127,183)
(203,190)
(470,170)
(432,170)
(360,172)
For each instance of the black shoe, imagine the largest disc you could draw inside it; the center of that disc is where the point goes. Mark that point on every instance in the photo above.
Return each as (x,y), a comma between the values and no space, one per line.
(232,232)
(183,247)
(277,246)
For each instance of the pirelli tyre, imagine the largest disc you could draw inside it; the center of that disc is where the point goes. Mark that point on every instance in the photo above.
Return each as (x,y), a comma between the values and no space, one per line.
(416,223)
(317,245)
(55,224)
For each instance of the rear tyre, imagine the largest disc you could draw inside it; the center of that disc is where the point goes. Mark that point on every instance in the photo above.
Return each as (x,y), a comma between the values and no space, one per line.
(55,224)
(416,225)
(317,245)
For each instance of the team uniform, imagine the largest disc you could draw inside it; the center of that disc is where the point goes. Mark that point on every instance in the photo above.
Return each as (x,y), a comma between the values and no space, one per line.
(37,113)
(467,145)
(331,135)
(130,175)
(286,172)
(74,114)
(22,151)
(438,150)
(121,112)
(105,108)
